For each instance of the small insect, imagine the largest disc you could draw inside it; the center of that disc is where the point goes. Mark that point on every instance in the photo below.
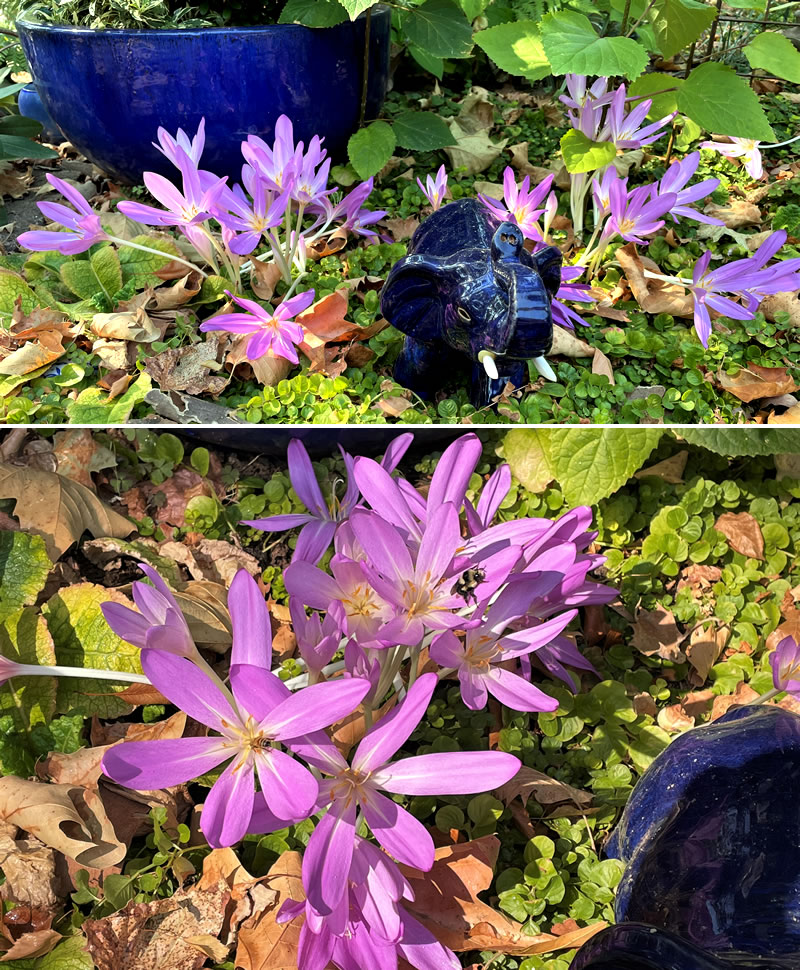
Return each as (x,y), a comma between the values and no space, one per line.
(469,582)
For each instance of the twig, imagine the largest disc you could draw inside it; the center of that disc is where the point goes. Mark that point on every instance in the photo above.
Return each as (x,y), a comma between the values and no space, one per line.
(365,73)
(625,14)
(713,32)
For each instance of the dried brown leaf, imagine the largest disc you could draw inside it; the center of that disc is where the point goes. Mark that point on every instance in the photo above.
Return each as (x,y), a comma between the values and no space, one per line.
(57,508)
(68,818)
(34,944)
(670,470)
(782,303)
(704,648)
(655,633)
(79,453)
(734,215)
(653,296)
(264,279)
(263,943)
(191,368)
(529,783)
(743,533)
(29,867)
(753,382)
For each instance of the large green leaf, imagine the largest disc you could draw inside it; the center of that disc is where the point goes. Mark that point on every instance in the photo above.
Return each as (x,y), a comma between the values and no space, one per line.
(719,101)
(101,273)
(744,442)
(355,7)
(774,53)
(572,46)
(24,638)
(15,146)
(83,639)
(678,23)
(516,48)
(108,270)
(142,267)
(440,28)
(19,125)
(93,406)
(24,565)
(422,131)
(313,13)
(588,463)
(651,86)
(581,154)
(433,65)
(371,148)
(12,285)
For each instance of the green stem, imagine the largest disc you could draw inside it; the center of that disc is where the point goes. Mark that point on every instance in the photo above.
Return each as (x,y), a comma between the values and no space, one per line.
(412,674)
(28,670)
(362,111)
(158,252)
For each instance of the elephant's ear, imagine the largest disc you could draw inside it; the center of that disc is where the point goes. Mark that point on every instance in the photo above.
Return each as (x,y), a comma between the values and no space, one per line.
(548,262)
(414,296)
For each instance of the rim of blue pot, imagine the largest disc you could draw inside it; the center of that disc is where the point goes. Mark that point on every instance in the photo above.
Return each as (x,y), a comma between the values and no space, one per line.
(32,25)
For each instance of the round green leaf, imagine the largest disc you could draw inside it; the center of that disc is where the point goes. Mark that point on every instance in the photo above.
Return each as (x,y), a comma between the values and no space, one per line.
(678,23)
(422,131)
(515,48)
(371,148)
(581,154)
(572,46)
(774,53)
(719,101)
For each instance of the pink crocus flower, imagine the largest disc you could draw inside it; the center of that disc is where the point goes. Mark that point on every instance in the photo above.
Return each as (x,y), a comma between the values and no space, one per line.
(272,332)
(745,148)
(82,223)
(248,219)
(257,713)
(523,205)
(184,209)
(675,179)
(434,189)
(635,214)
(171,147)
(785,663)
(159,624)
(329,852)
(479,659)
(320,522)
(623,128)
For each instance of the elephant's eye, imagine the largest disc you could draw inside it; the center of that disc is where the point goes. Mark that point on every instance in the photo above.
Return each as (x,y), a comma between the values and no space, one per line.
(463,314)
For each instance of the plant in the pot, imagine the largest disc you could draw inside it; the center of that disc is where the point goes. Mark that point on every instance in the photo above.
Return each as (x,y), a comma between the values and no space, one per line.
(112,73)
(711,843)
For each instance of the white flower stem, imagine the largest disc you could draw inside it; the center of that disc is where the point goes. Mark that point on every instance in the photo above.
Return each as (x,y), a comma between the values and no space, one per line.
(157,252)
(33,670)
(780,144)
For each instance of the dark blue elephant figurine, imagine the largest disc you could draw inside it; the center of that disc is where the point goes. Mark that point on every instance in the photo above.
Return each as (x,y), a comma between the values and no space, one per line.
(711,842)
(469,291)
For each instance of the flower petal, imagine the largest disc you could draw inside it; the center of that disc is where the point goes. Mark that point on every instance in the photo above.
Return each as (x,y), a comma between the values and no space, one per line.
(326,860)
(290,790)
(516,693)
(314,540)
(448,773)
(229,805)
(304,481)
(126,623)
(314,708)
(454,469)
(393,730)
(188,688)
(252,633)
(150,765)
(403,836)
(257,690)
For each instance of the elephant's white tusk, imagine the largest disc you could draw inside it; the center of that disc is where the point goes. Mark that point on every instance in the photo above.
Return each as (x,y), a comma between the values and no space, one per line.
(486,357)
(544,368)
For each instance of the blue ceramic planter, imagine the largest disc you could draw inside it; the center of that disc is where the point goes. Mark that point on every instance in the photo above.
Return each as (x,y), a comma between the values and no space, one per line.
(711,843)
(109,90)
(31,106)
(319,442)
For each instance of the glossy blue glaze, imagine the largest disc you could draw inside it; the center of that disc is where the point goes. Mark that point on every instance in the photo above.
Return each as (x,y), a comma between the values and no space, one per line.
(711,843)
(319,442)
(31,106)
(109,90)
(467,285)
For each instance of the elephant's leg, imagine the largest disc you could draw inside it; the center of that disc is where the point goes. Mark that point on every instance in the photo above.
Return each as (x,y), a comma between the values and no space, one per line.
(424,367)
(484,388)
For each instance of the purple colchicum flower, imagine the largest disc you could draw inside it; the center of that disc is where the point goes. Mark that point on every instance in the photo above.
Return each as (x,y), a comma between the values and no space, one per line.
(635,214)
(193,147)
(745,148)
(320,523)
(523,205)
(785,663)
(329,852)
(370,927)
(82,222)
(257,712)
(272,332)
(623,129)
(675,180)
(563,315)
(159,624)
(434,189)
(250,219)
(317,640)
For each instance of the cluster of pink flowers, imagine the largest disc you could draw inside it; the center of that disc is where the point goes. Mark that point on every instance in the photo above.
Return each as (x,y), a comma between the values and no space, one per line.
(408,571)
(283,203)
